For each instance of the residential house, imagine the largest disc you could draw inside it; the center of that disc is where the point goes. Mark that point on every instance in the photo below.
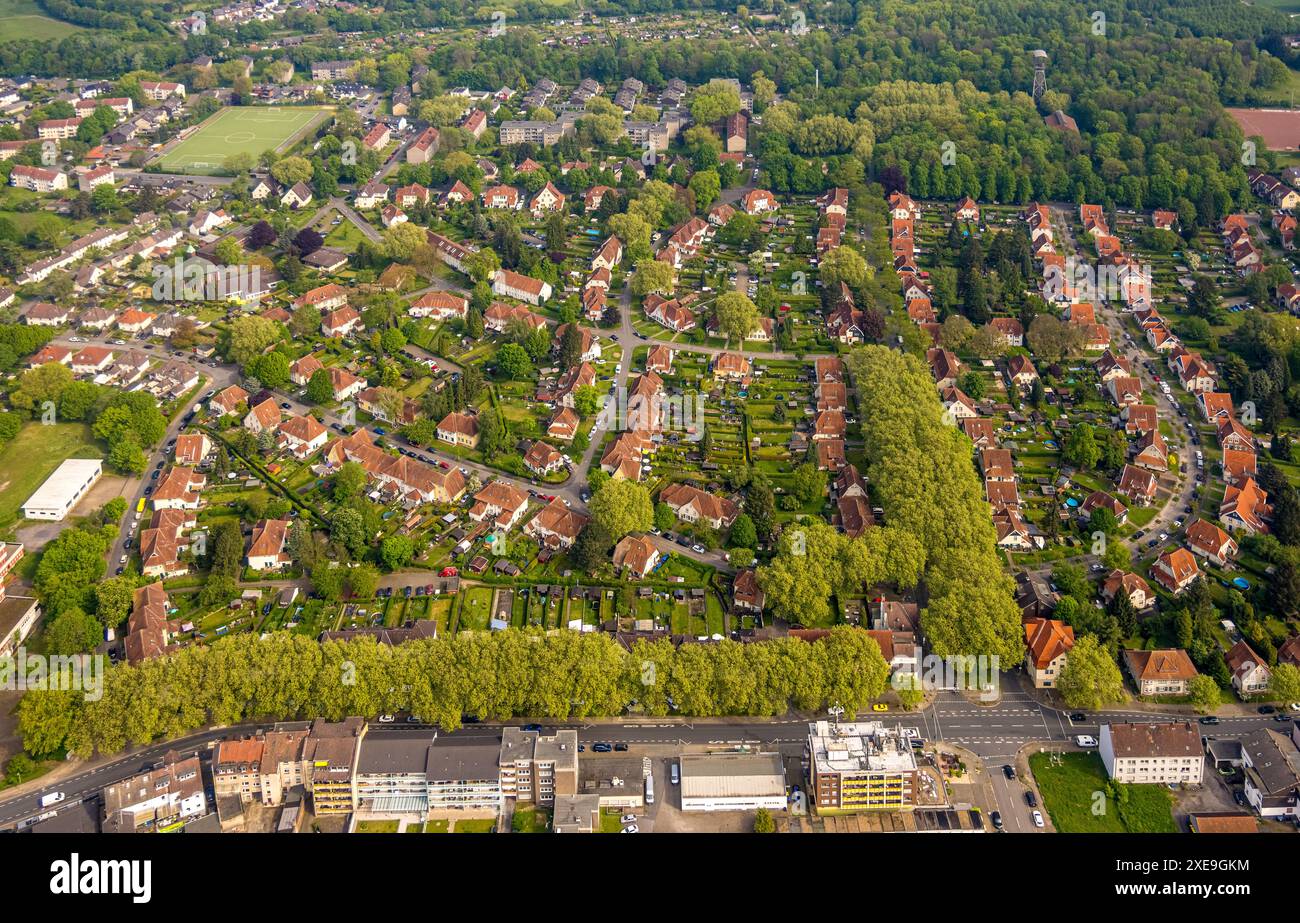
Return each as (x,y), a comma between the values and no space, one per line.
(1048,644)
(1161,672)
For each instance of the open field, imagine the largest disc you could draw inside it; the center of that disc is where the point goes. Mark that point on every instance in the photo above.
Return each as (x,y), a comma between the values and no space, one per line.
(24,19)
(239,130)
(34,453)
(1080,799)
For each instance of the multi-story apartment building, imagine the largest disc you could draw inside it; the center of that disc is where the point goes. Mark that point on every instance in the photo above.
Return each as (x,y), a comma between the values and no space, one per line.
(157,800)
(329,764)
(537,768)
(1153,753)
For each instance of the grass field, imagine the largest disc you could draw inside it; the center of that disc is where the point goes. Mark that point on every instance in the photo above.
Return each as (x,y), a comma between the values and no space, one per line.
(24,19)
(32,456)
(1079,798)
(238,130)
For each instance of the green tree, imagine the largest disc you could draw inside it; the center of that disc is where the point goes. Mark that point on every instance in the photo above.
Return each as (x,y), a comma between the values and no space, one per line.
(743,533)
(1285,684)
(808,483)
(514,362)
(1090,679)
(737,316)
(320,389)
(620,507)
(396,551)
(1204,693)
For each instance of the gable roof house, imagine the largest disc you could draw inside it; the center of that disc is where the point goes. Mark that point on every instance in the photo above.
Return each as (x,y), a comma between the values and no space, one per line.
(1048,643)
(501,502)
(556,526)
(267,548)
(690,504)
(1250,672)
(1209,541)
(635,556)
(1163,672)
(1245,508)
(1175,570)
(1138,590)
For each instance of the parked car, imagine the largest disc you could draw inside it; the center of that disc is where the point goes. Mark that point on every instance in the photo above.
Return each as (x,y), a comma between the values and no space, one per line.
(1266,709)
(1210,719)
(601,748)
(628,819)
(386,719)
(631,828)
(1031,799)
(1086,740)
(996,817)
(1038,819)
(1078,716)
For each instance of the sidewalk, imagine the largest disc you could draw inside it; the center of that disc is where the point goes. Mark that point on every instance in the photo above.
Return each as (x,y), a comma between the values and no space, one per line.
(1050,699)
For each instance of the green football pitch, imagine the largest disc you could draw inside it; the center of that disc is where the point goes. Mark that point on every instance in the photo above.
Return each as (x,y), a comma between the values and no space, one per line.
(235,130)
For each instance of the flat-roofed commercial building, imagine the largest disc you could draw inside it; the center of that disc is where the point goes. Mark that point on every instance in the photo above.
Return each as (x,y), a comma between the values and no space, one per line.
(733,782)
(620,783)
(63,489)
(862,766)
(18,616)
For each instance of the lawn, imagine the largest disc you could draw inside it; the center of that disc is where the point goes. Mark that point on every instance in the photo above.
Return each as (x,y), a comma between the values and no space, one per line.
(377,826)
(238,130)
(536,820)
(1080,799)
(32,456)
(24,20)
(475,825)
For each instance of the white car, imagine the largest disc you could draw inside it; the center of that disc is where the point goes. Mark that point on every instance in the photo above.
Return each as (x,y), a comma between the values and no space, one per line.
(698,549)
(386,719)
(1084,740)
(1038,818)
(628,818)
(633,828)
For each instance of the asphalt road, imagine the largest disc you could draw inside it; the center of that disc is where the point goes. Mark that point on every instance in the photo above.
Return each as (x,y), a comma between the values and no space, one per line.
(995,733)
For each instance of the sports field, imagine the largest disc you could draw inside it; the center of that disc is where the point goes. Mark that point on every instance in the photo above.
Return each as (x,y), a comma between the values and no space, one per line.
(238,129)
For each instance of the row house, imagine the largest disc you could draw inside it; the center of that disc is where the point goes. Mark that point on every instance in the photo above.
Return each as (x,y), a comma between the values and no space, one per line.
(411,480)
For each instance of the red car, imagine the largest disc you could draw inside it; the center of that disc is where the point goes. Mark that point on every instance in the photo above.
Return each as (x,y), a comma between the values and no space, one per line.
(449,572)
(443,464)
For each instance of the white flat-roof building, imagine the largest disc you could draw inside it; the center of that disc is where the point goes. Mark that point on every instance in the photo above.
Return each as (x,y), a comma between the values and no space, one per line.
(733,782)
(63,489)
(18,616)
(861,766)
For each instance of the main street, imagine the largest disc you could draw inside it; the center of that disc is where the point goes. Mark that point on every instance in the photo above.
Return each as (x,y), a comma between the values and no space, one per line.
(996,733)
